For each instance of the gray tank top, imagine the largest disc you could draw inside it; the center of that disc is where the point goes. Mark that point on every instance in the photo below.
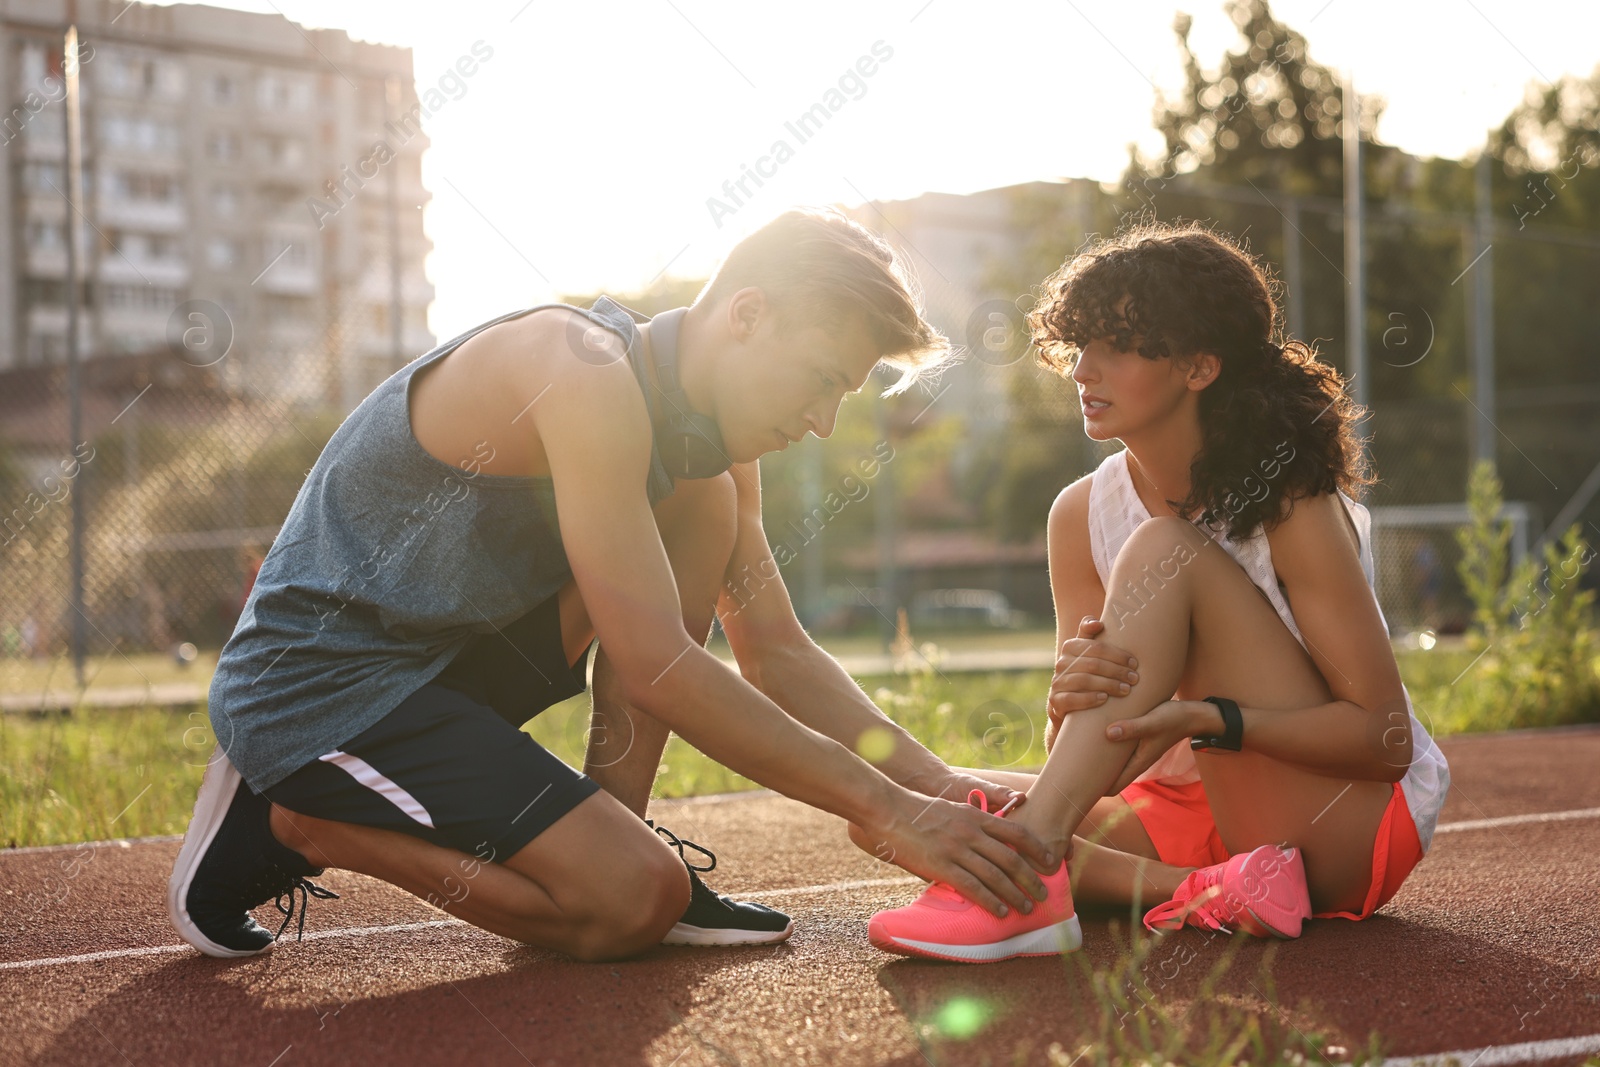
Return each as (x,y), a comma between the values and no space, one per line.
(388,563)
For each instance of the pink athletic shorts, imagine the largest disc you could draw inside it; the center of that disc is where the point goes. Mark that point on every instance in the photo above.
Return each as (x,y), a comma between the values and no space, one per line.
(1178,820)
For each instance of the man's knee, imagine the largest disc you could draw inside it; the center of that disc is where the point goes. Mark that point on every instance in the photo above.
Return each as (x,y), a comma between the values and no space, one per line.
(635,910)
(698,529)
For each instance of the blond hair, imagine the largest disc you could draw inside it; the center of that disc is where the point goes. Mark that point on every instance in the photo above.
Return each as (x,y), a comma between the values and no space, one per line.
(817,267)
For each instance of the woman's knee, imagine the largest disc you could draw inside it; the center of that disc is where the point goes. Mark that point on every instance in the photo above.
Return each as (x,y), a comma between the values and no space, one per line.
(1163,544)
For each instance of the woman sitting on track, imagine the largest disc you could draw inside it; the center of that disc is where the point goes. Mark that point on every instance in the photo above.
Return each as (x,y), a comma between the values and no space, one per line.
(1307,788)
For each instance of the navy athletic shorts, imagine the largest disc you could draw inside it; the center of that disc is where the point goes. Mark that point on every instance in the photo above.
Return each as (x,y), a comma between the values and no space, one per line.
(450,764)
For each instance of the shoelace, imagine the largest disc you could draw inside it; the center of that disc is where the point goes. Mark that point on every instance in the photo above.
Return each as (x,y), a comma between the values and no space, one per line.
(978,799)
(679,843)
(307,889)
(1199,904)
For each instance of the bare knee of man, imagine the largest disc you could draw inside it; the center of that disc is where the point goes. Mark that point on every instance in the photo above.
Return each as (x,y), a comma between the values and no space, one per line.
(616,887)
(697,528)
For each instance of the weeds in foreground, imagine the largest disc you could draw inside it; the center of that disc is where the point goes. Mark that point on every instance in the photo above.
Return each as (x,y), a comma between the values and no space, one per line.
(1139,1021)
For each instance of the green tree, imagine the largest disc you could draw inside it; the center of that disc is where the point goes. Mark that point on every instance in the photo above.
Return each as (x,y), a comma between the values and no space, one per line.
(1269,115)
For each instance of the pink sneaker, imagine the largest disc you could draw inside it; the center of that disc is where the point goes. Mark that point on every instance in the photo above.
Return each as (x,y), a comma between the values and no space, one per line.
(943,925)
(1261,892)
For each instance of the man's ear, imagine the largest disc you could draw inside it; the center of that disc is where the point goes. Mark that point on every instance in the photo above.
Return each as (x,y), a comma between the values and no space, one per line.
(745,310)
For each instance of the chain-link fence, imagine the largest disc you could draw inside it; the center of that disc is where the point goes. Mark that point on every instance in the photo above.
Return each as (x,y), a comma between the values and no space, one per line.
(191,457)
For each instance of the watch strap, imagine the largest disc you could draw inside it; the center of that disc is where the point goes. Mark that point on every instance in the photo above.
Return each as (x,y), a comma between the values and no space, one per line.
(1232,736)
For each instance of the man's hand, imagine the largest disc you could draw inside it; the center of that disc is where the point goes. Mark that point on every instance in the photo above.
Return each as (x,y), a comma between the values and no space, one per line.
(982,857)
(1159,729)
(1087,669)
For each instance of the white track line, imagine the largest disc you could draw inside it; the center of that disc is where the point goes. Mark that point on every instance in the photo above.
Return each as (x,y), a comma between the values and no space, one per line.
(161,950)
(1502,1055)
(831,887)
(398,928)
(1518,820)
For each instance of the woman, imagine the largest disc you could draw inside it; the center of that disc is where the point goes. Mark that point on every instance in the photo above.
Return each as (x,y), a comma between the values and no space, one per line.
(1308,788)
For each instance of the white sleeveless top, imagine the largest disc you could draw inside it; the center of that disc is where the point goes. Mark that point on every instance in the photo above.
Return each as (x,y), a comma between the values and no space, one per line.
(1115,510)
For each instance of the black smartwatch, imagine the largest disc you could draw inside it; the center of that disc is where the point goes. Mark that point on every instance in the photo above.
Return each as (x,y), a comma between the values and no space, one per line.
(1232,739)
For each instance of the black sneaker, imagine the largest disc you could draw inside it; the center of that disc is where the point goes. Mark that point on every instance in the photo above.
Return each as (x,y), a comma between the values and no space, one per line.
(712,919)
(230,863)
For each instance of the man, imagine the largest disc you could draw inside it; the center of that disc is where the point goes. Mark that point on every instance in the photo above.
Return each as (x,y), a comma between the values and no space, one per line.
(551,477)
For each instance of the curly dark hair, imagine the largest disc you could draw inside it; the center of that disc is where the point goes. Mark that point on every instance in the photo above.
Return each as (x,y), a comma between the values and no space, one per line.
(1190,290)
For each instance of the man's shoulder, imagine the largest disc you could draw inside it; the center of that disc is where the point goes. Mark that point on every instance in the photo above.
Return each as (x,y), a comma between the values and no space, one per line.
(559,338)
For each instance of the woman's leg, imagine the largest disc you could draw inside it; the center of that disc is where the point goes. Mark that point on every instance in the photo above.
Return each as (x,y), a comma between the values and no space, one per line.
(1113,860)
(563,890)
(1209,629)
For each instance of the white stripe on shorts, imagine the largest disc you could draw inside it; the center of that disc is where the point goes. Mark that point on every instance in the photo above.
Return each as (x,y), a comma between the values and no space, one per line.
(369,776)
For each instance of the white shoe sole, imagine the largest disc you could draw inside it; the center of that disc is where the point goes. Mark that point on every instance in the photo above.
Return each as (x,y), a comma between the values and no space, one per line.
(701,936)
(1064,936)
(210,808)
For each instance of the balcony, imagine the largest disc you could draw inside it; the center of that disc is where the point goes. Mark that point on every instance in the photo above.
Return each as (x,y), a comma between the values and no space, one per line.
(167,216)
(119,269)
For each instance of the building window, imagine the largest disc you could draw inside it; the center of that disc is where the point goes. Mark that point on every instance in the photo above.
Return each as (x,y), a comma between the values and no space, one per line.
(136,185)
(283,92)
(144,246)
(140,297)
(139,134)
(44,178)
(224,90)
(46,236)
(284,151)
(127,74)
(222,252)
(285,251)
(225,201)
(37,292)
(223,146)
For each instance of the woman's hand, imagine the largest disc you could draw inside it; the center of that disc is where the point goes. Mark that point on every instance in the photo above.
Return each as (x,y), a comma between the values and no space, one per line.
(1088,670)
(1159,729)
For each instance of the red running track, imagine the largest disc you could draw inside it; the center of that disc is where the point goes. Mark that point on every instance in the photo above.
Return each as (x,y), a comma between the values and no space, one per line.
(1493,942)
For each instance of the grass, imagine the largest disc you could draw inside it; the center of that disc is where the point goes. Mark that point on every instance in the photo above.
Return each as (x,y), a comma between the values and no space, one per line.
(1135,1019)
(92,775)
(111,671)
(116,670)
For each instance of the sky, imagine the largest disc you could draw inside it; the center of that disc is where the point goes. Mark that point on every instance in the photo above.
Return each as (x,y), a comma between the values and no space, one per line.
(583,152)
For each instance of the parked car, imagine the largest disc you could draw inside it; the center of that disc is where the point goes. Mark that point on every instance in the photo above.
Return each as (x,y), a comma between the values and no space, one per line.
(951,609)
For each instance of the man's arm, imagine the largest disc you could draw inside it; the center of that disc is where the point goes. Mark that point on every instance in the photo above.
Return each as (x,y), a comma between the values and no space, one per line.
(779,658)
(599,468)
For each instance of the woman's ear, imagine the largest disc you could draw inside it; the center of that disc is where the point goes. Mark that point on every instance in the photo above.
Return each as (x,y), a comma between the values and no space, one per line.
(1202,369)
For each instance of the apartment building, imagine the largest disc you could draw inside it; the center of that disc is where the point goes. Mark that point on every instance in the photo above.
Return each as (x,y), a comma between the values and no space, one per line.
(962,248)
(228,163)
